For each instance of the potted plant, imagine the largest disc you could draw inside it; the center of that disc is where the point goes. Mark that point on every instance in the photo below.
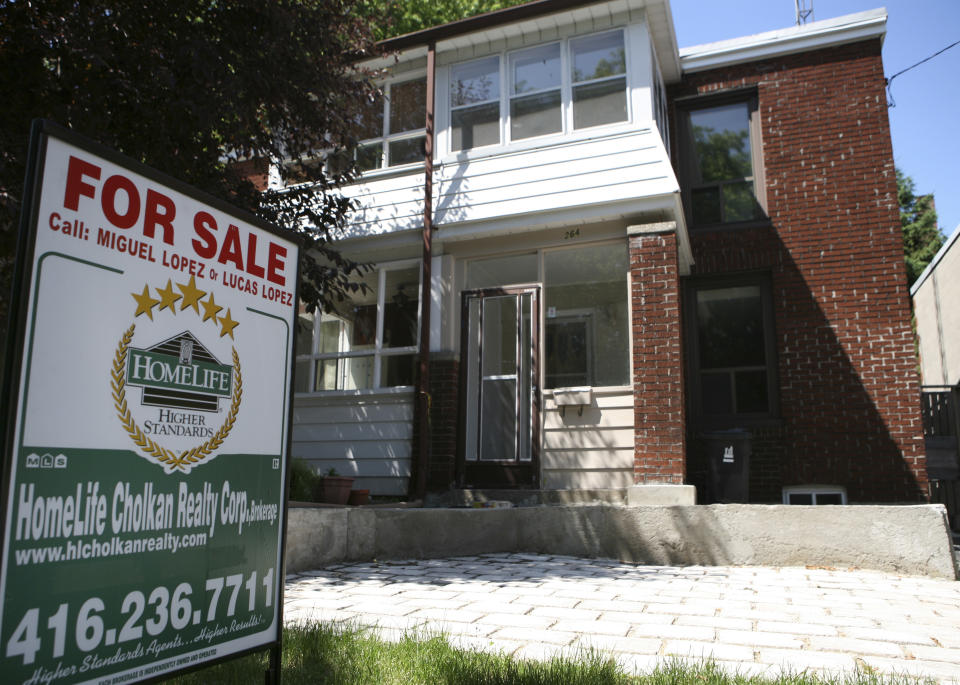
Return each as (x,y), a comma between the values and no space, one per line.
(335,489)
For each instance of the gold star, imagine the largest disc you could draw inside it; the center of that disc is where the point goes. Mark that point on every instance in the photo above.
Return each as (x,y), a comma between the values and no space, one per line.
(168,298)
(210,309)
(191,295)
(227,324)
(145,303)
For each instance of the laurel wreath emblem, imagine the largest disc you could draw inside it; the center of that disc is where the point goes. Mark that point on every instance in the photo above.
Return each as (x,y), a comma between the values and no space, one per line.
(171,461)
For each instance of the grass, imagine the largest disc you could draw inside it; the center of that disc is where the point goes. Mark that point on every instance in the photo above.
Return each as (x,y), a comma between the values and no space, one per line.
(336,655)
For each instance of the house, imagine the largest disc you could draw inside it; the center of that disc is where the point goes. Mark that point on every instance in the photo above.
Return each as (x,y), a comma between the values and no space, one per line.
(631,247)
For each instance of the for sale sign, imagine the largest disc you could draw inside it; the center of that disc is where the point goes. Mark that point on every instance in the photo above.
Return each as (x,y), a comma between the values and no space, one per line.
(147,425)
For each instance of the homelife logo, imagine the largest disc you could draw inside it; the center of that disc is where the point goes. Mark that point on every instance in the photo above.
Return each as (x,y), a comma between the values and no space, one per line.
(182,381)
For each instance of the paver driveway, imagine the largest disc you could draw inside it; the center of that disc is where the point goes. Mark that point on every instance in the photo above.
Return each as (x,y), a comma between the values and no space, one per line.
(755,619)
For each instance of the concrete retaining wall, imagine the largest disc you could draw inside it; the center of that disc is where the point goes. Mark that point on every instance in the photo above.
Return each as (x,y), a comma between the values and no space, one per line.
(913,540)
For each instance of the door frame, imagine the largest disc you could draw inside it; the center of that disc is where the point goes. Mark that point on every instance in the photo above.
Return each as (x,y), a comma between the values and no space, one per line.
(507,473)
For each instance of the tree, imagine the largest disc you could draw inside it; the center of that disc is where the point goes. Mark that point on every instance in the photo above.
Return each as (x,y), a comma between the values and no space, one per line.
(918,219)
(397,17)
(191,87)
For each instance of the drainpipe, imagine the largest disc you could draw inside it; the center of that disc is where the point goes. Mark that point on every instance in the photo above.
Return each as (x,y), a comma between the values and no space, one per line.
(419,488)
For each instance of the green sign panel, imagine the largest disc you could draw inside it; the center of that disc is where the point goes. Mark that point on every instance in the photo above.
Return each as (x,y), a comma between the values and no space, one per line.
(146,426)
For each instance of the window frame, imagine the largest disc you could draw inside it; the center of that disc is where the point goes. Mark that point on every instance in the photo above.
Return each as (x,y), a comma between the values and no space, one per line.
(684,106)
(378,352)
(566,88)
(692,341)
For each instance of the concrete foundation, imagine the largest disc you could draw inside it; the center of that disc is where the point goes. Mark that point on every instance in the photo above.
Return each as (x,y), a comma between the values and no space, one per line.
(912,540)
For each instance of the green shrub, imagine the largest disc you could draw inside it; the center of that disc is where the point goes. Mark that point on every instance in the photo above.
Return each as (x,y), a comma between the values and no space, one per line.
(305,482)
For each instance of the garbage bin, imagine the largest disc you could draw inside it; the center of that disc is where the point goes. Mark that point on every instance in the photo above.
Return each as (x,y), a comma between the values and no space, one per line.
(728,453)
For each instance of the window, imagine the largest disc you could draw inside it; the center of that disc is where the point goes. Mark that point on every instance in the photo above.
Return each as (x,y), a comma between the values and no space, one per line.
(371,342)
(814,494)
(599,75)
(720,163)
(475,104)
(547,89)
(393,131)
(731,349)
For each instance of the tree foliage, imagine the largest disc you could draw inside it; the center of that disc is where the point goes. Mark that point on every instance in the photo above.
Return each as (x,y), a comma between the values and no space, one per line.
(189,87)
(918,218)
(397,17)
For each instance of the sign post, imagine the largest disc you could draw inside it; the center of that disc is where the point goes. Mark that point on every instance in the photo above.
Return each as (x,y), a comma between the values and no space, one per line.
(146,431)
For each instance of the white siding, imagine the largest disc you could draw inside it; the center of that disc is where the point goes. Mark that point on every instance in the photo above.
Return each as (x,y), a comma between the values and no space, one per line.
(365,436)
(616,170)
(593,450)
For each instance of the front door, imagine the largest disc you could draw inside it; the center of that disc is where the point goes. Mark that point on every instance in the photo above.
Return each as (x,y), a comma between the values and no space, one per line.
(500,406)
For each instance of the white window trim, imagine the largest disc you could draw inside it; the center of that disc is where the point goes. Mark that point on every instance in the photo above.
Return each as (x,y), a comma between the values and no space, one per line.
(378,352)
(566,96)
(814,490)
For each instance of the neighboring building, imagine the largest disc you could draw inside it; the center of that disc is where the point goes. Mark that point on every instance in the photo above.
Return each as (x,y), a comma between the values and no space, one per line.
(633,245)
(938,322)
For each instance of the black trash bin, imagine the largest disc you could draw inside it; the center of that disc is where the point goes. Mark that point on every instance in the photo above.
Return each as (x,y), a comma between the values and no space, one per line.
(728,453)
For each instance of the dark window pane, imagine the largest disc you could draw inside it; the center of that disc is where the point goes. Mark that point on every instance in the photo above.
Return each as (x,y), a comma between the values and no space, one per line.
(371,122)
(369,156)
(598,56)
(407,151)
(800,498)
(600,103)
(706,205)
(400,370)
(722,142)
(499,349)
(751,392)
(476,126)
(408,106)
(717,395)
(364,332)
(499,419)
(739,202)
(567,353)
(730,323)
(304,333)
(401,296)
(302,383)
(829,498)
(535,115)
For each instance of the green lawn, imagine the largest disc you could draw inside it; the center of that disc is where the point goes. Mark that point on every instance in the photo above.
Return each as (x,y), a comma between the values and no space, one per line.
(334,655)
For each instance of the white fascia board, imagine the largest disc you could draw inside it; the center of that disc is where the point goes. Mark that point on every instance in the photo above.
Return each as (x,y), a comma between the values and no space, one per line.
(819,34)
(936,260)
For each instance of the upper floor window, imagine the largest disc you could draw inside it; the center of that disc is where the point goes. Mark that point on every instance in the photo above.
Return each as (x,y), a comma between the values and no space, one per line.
(721,163)
(370,342)
(547,89)
(393,131)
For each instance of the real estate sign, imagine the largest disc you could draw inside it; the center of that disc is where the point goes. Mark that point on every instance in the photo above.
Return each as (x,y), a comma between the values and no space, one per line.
(147,425)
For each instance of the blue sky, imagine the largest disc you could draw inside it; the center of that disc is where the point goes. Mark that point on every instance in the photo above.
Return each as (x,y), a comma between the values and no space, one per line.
(925,123)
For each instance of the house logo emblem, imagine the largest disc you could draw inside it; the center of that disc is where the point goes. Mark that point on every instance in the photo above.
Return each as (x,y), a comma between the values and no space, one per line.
(189,398)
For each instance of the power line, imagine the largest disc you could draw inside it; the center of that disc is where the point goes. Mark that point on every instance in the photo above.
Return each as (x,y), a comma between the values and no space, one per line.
(889,81)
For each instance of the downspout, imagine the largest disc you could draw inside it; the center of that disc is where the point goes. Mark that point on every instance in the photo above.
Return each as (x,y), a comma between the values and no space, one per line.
(419,489)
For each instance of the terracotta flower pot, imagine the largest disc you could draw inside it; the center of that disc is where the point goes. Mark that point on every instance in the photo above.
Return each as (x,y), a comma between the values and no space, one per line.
(358,497)
(336,489)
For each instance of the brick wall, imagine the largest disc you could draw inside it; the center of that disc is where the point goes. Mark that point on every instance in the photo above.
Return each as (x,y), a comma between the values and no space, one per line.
(658,406)
(849,391)
(444,422)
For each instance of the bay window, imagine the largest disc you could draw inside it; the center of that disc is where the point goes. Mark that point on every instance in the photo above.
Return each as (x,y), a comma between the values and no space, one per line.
(369,342)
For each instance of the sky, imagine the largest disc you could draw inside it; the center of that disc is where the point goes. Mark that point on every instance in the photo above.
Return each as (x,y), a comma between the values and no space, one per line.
(925,123)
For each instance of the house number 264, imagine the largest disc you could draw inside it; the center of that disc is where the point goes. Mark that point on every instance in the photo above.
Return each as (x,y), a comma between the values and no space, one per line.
(572,233)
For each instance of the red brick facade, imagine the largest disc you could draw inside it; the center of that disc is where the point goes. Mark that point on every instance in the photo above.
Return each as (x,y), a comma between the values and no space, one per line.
(658,407)
(849,397)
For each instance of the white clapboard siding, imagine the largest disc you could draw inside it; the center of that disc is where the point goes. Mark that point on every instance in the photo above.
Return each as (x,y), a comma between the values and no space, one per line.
(368,437)
(589,172)
(590,450)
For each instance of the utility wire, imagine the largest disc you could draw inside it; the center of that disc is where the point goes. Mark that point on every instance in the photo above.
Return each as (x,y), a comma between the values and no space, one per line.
(889,81)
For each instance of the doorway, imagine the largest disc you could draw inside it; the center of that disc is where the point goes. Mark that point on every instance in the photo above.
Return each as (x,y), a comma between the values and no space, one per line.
(500,403)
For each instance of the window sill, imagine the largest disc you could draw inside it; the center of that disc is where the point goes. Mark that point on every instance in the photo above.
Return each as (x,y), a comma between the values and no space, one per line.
(350,395)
